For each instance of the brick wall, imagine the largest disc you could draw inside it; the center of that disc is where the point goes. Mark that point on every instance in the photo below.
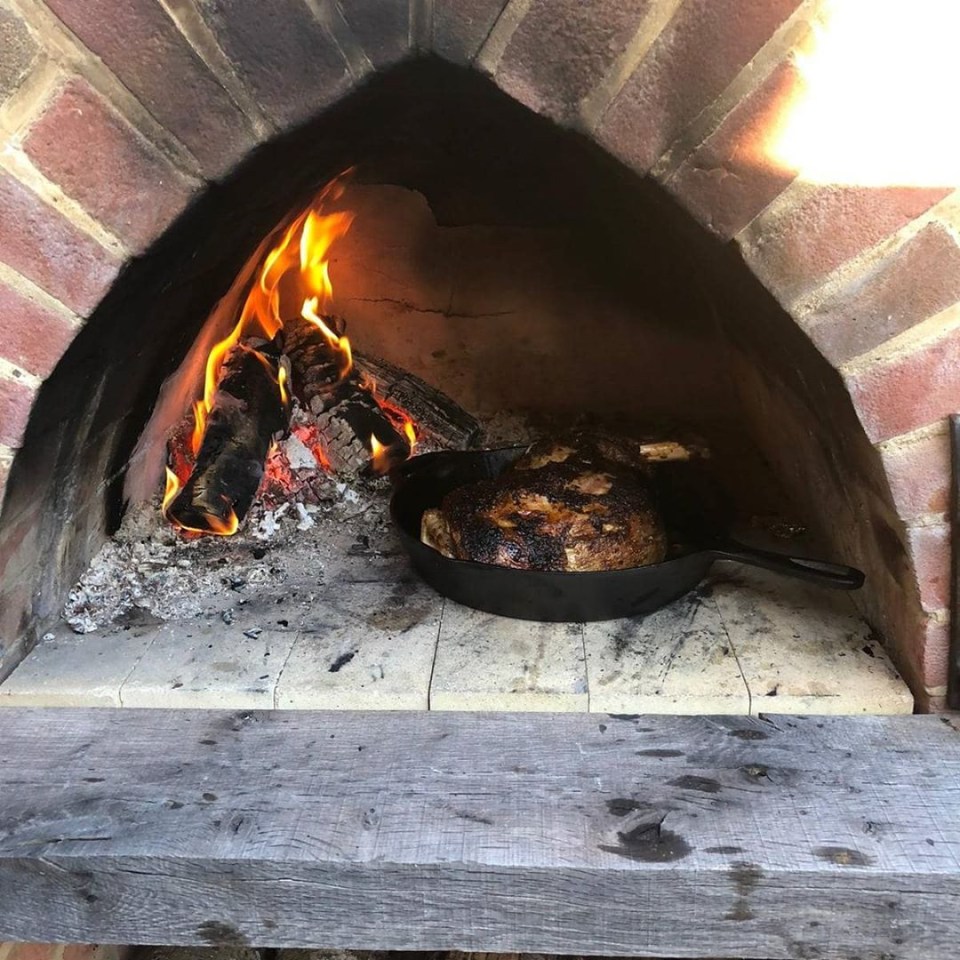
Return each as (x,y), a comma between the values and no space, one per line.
(115,115)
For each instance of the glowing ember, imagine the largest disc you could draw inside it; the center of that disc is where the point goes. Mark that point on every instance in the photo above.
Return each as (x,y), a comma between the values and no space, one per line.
(381,457)
(871,108)
(293,280)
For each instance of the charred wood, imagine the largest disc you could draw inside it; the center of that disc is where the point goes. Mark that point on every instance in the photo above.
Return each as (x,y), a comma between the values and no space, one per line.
(350,410)
(345,409)
(314,365)
(248,413)
(440,421)
(348,420)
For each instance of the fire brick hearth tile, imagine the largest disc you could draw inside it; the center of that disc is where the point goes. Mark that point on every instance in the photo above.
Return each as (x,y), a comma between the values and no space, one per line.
(485,662)
(71,670)
(804,650)
(208,663)
(369,646)
(676,660)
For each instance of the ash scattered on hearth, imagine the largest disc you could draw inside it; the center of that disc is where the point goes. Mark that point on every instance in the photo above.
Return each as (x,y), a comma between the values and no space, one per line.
(149,567)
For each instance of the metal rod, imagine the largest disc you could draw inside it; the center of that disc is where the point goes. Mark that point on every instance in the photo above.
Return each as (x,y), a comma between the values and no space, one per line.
(953,666)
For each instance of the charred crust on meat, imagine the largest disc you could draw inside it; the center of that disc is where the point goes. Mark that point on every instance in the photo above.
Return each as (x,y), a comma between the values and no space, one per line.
(578,503)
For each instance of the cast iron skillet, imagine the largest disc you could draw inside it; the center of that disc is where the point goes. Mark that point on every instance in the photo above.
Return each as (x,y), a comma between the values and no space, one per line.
(423,481)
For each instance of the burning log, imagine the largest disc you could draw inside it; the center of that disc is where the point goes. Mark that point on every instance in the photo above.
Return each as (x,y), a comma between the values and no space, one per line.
(440,422)
(359,433)
(363,428)
(341,421)
(250,409)
(316,368)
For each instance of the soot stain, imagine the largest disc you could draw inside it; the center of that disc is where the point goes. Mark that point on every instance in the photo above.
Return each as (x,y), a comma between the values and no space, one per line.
(238,721)
(660,753)
(649,842)
(703,784)
(747,734)
(621,806)
(746,877)
(472,817)
(342,661)
(399,618)
(219,934)
(843,856)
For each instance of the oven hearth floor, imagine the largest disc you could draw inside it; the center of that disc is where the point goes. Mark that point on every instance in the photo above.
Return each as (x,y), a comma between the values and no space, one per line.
(351,627)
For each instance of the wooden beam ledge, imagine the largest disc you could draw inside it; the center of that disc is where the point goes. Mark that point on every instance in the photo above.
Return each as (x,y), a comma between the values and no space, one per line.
(785,837)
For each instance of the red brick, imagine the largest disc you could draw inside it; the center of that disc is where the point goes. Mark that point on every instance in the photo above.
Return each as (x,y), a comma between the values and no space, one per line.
(282,53)
(19,51)
(909,390)
(934,644)
(693,60)
(461,26)
(31,336)
(562,49)
(919,474)
(729,179)
(142,46)
(132,189)
(381,26)
(794,246)
(919,280)
(930,551)
(16,399)
(39,242)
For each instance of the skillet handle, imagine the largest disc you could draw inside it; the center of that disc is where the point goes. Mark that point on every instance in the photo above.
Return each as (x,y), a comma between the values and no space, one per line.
(836,575)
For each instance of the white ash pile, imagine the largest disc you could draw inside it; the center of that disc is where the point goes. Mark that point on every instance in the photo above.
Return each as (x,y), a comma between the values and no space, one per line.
(148,569)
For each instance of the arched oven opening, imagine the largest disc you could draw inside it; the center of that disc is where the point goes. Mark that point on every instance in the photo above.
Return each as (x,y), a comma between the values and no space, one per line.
(500,280)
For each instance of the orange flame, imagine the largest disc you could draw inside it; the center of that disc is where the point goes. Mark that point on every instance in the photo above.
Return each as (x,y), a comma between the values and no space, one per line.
(214,524)
(296,271)
(316,238)
(401,420)
(293,279)
(172,489)
(379,455)
(305,260)
(340,345)
(302,254)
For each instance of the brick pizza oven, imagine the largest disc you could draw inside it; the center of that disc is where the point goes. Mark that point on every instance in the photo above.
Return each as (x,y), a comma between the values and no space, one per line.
(150,145)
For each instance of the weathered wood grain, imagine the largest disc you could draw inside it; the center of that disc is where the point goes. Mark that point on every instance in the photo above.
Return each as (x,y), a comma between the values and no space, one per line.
(650,836)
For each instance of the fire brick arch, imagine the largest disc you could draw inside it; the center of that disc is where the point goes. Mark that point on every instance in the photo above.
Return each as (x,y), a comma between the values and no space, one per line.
(116,117)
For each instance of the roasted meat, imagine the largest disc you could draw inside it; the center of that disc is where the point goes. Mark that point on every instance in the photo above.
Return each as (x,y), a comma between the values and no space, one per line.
(577,504)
